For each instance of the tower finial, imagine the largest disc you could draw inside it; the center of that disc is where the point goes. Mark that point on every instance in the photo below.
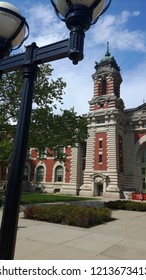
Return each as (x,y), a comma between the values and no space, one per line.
(107,51)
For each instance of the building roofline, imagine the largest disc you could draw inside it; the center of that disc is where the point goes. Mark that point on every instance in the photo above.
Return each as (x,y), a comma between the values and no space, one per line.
(135,109)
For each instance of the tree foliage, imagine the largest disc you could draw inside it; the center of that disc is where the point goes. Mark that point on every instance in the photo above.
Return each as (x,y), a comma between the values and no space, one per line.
(47,129)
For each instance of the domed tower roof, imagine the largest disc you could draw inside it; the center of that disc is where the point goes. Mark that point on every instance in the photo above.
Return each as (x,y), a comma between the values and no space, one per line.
(107,60)
(107,80)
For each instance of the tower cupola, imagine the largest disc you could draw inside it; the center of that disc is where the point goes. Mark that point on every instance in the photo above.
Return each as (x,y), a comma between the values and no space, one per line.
(107,80)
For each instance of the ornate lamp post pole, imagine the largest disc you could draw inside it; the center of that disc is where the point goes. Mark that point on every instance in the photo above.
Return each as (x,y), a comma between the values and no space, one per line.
(78,16)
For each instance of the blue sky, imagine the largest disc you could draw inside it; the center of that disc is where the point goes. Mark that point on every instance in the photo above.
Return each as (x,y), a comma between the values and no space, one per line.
(123,25)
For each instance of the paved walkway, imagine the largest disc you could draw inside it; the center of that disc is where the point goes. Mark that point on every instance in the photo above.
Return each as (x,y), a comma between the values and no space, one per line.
(123,238)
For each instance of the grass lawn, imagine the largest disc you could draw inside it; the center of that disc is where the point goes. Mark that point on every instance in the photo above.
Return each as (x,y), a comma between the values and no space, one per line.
(31,198)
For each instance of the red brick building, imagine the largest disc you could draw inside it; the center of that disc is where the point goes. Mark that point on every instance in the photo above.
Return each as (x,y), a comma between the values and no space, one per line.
(116,148)
(113,159)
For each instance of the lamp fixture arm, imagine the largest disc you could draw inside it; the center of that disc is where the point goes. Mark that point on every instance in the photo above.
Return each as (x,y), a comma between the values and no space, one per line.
(41,55)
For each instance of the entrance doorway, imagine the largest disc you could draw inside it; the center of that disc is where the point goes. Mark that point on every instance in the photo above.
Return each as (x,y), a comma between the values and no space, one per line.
(98,186)
(98,189)
(99,183)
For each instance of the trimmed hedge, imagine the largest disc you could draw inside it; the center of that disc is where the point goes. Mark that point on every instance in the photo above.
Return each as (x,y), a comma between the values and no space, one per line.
(117,204)
(126,205)
(73,215)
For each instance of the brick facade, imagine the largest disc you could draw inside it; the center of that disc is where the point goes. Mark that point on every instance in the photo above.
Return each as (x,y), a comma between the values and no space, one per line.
(109,162)
(112,160)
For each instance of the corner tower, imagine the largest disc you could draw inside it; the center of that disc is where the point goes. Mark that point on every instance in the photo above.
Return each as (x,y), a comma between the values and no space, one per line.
(104,169)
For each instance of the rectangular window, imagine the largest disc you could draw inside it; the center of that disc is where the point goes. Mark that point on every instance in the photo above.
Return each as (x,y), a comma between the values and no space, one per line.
(143,158)
(100,144)
(100,121)
(121,159)
(100,158)
(143,171)
(83,147)
(144,183)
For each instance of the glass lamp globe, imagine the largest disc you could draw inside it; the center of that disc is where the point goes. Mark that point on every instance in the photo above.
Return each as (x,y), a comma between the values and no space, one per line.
(12,27)
(94,8)
(78,16)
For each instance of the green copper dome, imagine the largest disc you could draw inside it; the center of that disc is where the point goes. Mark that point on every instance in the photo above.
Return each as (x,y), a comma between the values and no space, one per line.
(107,60)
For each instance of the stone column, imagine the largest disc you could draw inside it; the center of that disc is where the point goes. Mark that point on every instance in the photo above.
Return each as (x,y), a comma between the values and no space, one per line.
(87,187)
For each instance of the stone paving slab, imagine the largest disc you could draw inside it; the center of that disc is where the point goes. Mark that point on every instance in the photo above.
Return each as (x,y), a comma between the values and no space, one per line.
(125,253)
(124,238)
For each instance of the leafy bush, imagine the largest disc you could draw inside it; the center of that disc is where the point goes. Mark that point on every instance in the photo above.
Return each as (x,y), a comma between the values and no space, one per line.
(81,216)
(136,206)
(126,205)
(30,212)
(117,204)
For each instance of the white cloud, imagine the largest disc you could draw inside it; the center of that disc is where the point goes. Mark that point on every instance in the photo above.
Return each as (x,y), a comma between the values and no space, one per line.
(133,89)
(79,88)
(136,13)
(114,28)
(44,26)
(126,15)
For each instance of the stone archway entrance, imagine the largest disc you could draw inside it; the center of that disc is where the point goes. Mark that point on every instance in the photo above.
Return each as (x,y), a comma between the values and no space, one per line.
(99,184)
(98,187)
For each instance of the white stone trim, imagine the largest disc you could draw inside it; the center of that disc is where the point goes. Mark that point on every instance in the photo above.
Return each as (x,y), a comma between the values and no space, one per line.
(40,163)
(53,175)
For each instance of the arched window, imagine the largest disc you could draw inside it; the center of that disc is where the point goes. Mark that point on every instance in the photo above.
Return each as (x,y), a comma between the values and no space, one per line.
(103,92)
(26,174)
(40,174)
(59,174)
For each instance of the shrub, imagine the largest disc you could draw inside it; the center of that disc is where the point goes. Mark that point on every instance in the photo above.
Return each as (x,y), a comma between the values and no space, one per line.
(117,204)
(30,212)
(135,206)
(81,216)
(126,205)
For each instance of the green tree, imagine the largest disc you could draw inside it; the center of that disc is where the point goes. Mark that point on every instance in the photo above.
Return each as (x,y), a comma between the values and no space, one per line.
(6,140)
(47,129)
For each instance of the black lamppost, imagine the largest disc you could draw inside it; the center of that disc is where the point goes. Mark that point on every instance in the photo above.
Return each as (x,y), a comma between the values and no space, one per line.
(78,16)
